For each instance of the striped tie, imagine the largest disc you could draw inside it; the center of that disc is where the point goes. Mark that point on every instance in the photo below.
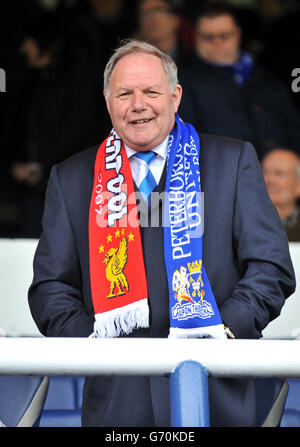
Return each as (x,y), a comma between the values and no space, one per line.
(148,183)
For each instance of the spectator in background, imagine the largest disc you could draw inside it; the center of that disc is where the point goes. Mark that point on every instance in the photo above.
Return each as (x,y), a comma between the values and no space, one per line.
(160,24)
(227,93)
(100,28)
(281,169)
(59,115)
(12,19)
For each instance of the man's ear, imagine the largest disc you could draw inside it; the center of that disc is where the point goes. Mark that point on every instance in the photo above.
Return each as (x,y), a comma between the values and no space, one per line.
(107,101)
(177,97)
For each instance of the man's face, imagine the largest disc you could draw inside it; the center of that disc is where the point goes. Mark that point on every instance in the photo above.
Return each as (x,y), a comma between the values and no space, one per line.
(218,39)
(283,185)
(141,106)
(157,22)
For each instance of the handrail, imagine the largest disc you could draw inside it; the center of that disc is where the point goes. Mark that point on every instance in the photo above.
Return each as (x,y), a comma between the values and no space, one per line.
(144,356)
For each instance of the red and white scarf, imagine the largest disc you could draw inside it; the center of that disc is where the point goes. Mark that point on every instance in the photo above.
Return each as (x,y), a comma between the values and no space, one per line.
(118,279)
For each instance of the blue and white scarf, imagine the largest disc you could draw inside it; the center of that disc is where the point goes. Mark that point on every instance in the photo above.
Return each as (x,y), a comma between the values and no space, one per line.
(242,69)
(193,309)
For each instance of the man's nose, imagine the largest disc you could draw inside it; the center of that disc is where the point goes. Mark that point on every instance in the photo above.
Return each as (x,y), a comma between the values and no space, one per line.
(138,102)
(217,40)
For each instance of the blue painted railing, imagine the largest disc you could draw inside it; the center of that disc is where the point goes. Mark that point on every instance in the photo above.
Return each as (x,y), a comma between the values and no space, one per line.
(189,395)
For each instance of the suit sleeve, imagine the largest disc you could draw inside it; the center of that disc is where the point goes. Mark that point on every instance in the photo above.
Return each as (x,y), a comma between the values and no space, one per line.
(55,295)
(262,251)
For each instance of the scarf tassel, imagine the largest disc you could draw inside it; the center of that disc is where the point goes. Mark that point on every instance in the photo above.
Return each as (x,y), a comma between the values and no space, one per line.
(121,320)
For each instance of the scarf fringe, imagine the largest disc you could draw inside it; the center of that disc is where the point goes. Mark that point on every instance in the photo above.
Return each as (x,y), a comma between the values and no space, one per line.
(121,320)
(215,331)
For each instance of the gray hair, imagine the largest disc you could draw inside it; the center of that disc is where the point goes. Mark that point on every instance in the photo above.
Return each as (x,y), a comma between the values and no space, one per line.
(133,46)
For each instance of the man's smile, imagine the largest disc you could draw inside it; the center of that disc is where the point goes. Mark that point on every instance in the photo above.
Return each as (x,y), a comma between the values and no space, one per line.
(141,121)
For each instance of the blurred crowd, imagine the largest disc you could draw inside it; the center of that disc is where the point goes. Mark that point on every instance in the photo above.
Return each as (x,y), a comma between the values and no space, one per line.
(235,62)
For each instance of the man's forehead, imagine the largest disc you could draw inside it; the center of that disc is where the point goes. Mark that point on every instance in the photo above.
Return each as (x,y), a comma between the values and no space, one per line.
(281,161)
(133,60)
(216,22)
(152,4)
(141,86)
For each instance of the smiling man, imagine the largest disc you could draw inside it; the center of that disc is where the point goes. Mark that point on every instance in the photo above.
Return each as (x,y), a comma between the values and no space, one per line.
(140,102)
(99,273)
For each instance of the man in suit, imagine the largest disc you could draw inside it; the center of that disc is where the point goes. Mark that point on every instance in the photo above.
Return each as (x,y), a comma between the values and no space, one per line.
(245,249)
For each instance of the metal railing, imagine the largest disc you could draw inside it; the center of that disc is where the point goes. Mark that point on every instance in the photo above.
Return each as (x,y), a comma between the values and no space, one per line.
(180,359)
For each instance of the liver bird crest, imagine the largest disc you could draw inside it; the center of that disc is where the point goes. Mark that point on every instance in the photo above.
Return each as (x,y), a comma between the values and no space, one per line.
(115,260)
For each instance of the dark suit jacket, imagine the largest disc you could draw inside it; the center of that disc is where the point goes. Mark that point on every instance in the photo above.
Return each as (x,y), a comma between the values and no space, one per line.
(245,253)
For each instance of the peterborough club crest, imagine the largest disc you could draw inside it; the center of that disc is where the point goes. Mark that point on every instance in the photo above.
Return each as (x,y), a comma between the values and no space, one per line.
(189,293)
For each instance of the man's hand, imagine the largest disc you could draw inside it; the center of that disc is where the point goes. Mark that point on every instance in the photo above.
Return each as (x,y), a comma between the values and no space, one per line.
(28,173)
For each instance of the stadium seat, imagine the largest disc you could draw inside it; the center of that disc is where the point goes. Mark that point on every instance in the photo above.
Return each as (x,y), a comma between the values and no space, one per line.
(291,414)
(62,407)
(22,400)
(63,403)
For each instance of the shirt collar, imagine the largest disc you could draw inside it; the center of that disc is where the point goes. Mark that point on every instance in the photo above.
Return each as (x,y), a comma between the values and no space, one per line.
(161,149)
